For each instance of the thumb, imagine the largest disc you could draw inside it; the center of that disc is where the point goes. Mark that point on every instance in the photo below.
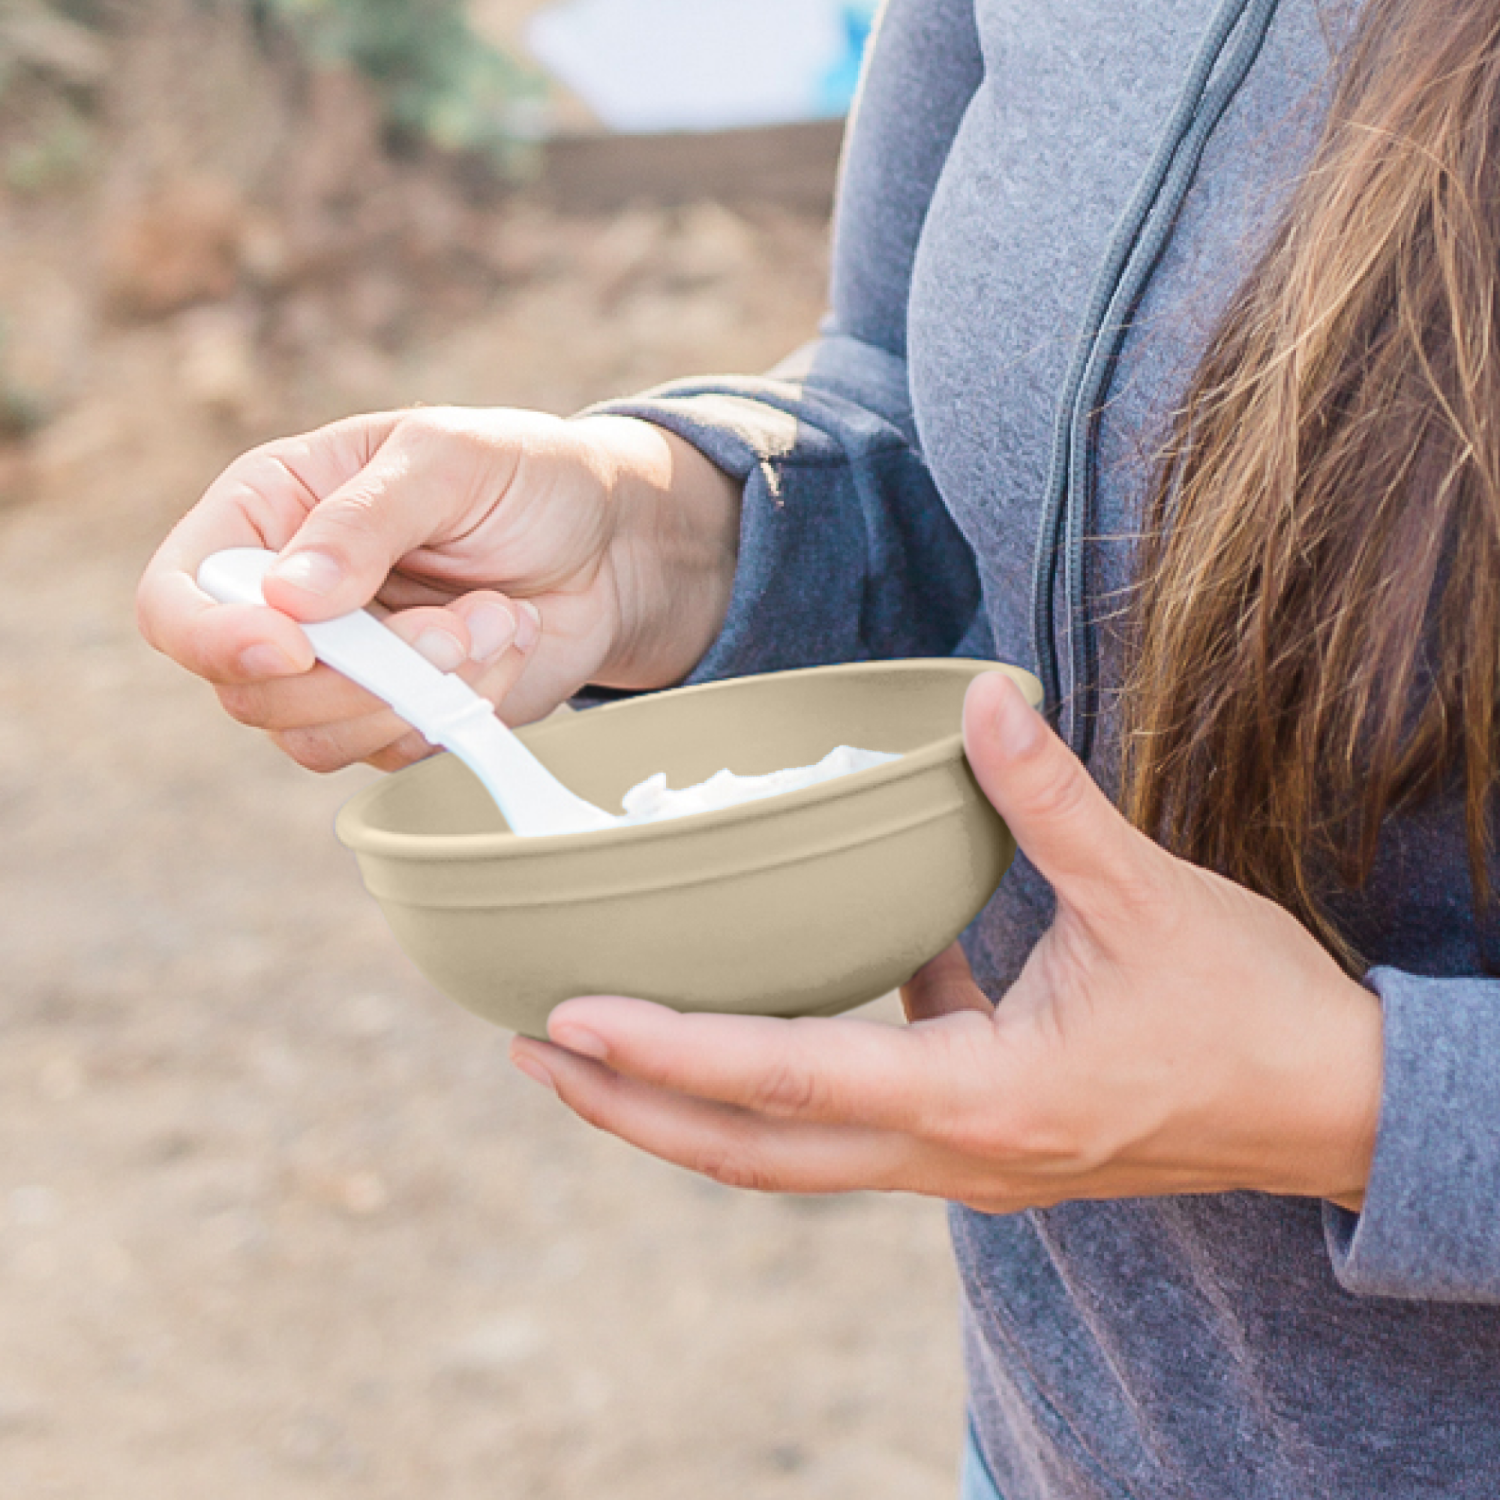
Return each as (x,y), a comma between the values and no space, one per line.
(1068,828)
(343,552)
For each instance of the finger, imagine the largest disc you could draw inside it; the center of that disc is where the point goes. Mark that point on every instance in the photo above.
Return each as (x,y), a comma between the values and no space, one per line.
(325,722)
(495,623)
(331,747)
(732,1146)
(260,500)
(415,490)
(498,634)
(407,751)
(477,636)
(942,988)
(818,1071)
(1067,827)
(321,696)
(441,635)
(374,733)
(181,621)
(474,635)
(222,643)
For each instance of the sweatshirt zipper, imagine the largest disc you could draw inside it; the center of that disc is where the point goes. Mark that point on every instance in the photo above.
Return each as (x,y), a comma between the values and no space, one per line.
(1235,38)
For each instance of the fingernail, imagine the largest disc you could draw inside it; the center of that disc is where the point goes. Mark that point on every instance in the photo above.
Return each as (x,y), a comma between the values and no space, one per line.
(528,626)
(577,1039)
(441,649)
(492,628)
(533,1067)
(1018,726)
(267,661)
(313,572)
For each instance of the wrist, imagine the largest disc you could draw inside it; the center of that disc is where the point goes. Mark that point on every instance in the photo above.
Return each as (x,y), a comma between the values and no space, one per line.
(1344,1095)
(674,545)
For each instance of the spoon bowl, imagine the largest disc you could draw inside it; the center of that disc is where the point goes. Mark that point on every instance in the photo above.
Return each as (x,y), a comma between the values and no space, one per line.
(808,903)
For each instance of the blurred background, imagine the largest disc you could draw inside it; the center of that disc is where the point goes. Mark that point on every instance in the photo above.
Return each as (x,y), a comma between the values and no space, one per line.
(276,1219)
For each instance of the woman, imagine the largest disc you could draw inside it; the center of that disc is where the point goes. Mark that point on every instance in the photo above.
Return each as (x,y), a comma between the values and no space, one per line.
(1163,357)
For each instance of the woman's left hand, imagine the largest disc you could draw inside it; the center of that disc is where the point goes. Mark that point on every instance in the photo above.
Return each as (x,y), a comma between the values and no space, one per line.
(1170,1033)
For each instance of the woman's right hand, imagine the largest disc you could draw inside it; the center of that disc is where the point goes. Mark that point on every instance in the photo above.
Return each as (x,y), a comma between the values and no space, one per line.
(532,555)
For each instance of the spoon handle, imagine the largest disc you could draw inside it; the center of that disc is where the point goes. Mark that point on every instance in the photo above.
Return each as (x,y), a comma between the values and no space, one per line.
(441,706)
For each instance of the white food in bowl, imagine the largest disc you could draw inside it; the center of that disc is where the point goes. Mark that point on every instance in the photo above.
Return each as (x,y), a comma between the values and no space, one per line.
(653,801)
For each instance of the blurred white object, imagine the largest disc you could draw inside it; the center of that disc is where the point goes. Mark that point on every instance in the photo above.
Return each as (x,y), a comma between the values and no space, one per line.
(647,66)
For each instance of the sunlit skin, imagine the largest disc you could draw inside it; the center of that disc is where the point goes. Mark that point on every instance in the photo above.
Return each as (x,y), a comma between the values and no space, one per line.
(1171,1033)
(531,554)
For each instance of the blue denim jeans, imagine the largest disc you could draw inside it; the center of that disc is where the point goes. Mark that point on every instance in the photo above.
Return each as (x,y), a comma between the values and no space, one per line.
(977,1484)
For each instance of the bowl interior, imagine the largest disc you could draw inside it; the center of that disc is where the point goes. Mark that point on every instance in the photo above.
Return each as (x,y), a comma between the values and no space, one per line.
(752,725)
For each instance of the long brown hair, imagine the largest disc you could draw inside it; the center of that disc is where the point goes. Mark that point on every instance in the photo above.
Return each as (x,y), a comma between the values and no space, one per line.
(1314,637)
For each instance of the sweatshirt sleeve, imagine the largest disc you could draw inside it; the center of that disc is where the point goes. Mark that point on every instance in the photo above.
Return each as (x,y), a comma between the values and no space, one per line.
(847,552)
(1430,1227)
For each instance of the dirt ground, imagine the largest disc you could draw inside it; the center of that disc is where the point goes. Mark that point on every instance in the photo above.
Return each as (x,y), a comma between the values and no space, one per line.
(276,1219)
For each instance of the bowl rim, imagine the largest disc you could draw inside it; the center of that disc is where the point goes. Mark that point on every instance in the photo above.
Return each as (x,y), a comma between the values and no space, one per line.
(357,835)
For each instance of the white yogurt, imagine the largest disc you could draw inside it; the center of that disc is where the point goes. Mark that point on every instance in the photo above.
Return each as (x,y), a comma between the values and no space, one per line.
(653,801)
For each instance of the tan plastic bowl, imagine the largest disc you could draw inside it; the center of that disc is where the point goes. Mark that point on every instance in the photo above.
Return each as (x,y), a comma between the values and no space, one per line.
(804,904)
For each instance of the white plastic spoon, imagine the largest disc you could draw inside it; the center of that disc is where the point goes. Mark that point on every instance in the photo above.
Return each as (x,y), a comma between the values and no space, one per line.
(442,707)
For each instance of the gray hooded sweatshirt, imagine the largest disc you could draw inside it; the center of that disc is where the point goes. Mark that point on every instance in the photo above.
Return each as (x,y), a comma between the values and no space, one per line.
(896,475)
